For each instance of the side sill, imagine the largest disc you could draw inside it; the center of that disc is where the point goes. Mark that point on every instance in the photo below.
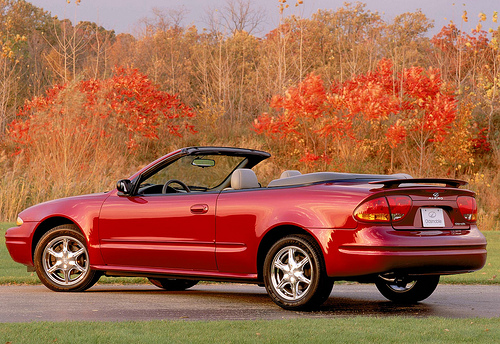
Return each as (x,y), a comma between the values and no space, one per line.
(171,273)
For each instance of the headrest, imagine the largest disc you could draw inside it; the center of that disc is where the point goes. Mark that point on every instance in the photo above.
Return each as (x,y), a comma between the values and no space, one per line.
(244,178)
(290,173)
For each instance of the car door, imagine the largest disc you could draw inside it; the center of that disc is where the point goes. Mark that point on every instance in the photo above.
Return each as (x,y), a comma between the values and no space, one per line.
(160,231)
(167,219)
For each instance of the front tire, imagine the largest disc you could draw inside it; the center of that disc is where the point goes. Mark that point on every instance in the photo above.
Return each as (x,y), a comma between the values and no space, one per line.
(294,274)
(62,261)
(407,289)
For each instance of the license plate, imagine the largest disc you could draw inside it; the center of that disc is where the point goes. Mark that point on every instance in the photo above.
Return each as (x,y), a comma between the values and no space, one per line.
(432,217)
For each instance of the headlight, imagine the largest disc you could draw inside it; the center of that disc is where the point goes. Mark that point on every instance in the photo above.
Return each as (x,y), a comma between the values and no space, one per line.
(19,221)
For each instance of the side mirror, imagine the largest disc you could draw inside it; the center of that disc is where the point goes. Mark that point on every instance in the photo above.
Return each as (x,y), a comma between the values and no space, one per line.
(124,186)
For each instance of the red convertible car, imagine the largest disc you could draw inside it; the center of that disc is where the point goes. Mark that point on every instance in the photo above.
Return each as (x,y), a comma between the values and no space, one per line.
(200,213)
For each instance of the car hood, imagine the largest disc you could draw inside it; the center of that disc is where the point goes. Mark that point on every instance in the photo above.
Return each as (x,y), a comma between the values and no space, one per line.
(66,207)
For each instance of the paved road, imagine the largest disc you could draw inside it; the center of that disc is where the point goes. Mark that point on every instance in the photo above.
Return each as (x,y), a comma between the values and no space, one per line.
(229,302)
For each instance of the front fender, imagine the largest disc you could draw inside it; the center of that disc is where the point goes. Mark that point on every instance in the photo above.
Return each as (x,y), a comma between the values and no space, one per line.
(83,211)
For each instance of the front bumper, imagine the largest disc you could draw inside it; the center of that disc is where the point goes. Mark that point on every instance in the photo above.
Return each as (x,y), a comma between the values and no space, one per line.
(19,241)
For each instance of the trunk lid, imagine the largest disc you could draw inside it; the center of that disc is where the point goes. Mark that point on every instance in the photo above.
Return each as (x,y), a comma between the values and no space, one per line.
(433,207)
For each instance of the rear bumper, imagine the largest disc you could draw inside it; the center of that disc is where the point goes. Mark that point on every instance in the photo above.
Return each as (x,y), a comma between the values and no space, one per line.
(378,250)
(18,241)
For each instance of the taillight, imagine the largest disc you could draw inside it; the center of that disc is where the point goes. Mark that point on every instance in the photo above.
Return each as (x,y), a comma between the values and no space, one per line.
(399,206)
(468,208)
(384,209)
(375,210)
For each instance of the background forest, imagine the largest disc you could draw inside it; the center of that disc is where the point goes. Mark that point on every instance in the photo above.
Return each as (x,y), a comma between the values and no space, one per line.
(343,90)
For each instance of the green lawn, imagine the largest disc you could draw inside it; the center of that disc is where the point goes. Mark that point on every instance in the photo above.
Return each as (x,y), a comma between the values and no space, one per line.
(334,330)
(11,272)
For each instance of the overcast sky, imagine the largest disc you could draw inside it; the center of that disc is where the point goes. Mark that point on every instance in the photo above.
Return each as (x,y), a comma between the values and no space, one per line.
(124,15)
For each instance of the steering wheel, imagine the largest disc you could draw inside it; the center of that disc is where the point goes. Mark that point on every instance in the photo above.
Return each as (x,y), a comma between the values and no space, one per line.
(165,186)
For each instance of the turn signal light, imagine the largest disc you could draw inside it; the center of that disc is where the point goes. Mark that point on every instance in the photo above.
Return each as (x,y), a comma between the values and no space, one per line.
(468,208)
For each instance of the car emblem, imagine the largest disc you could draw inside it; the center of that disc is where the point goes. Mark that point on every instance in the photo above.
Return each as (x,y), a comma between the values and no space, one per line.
(432,214)
(435,197)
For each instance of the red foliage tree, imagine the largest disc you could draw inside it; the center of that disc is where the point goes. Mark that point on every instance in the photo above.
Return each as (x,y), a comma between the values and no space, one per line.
(373,109)
(81,136)
(457,53)
(127,106)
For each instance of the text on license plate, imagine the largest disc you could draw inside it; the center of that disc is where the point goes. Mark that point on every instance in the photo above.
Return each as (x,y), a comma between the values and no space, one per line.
(432,217)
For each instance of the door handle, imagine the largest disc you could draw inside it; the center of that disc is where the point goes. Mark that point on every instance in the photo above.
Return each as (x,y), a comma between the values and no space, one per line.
(199,208)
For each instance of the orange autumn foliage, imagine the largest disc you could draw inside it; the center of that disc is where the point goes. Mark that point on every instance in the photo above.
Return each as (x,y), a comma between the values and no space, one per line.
(127,107)
(318,123)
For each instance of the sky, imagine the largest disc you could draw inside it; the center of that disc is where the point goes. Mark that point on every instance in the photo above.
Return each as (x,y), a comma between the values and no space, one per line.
(124,16)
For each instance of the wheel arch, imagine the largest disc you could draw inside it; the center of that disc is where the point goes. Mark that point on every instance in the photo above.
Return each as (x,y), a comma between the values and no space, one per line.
(46,225)
(274,235)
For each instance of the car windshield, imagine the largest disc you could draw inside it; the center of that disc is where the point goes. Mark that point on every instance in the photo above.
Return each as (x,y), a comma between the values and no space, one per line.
(201,173)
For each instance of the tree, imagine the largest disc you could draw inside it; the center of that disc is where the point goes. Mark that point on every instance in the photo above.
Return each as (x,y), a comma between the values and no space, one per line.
(459,55)
(404,40)
(361,118)
(234,16)
(349,39)
(429,109)
(18,21)
(82,132)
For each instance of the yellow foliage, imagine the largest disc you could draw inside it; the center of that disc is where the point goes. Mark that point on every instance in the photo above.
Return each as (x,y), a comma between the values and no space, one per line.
(210,112)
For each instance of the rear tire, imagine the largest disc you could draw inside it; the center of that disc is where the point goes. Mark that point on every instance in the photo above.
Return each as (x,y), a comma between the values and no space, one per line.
(62,261)
(173,284)
(407,290)
(295,275)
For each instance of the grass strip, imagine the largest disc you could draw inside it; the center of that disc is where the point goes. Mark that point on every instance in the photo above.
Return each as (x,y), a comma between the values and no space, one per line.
(339,330)
(14,273)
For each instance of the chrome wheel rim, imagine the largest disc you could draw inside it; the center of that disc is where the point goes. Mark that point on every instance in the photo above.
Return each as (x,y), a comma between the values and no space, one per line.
(399,285)
(291,273)
(65,261)
(399,288)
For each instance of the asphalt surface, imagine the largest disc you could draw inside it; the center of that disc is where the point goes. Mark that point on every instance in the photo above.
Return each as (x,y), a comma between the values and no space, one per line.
(230,302)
